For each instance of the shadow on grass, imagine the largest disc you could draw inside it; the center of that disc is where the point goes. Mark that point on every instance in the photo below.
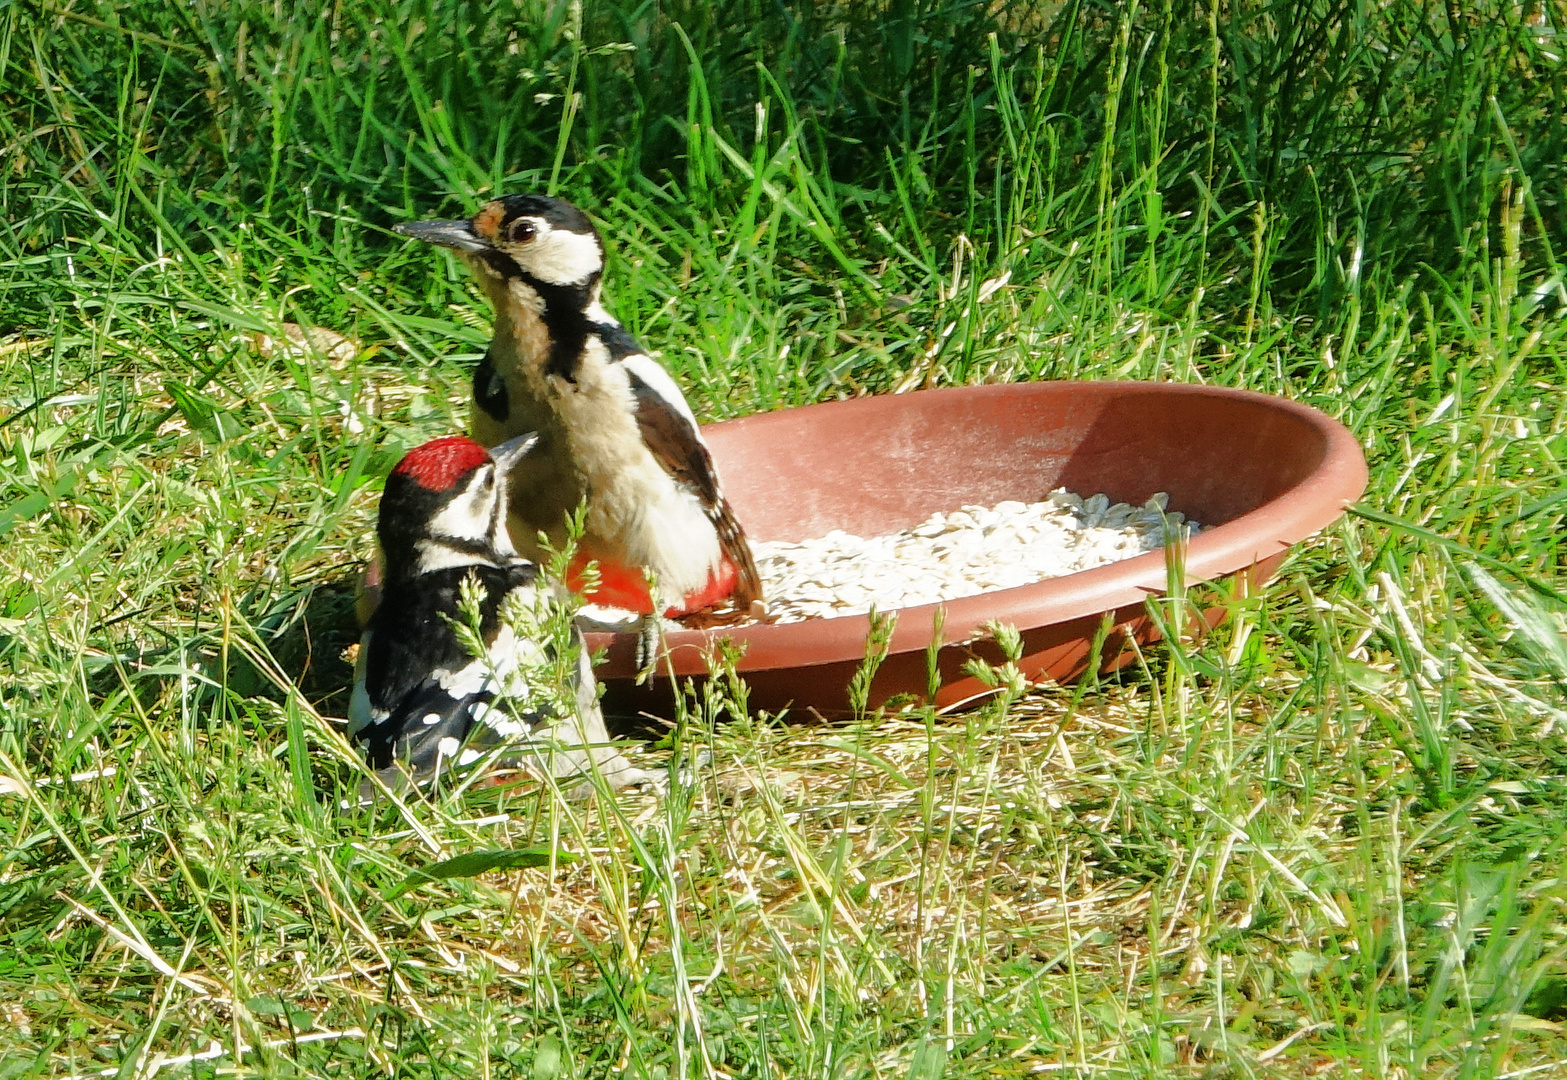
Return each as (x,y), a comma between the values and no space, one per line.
(314,645)
(317,636)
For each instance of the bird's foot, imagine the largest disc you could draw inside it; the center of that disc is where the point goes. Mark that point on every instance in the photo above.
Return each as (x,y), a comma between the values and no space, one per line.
(650,642)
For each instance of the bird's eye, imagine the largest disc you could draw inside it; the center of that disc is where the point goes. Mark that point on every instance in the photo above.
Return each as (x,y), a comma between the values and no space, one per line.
(522,231)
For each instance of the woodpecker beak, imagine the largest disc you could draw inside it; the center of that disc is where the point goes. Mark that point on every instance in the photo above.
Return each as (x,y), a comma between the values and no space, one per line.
(452,234)
(512,451)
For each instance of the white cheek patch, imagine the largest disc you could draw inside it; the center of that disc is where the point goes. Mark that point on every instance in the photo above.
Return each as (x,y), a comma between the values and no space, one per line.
(558,257)
(500,536)
(467,516)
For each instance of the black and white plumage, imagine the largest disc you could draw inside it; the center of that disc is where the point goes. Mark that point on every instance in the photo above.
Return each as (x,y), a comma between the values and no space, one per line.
(422,701)
(614,428)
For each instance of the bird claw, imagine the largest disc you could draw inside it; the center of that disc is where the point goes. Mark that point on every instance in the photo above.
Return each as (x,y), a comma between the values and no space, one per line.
(650,635)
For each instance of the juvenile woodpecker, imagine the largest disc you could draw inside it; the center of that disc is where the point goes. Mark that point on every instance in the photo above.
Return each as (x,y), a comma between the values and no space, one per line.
(613,427)
(422,701)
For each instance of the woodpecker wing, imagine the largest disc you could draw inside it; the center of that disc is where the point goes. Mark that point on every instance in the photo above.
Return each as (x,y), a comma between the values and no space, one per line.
(431,728)
(670,431)
(422,696)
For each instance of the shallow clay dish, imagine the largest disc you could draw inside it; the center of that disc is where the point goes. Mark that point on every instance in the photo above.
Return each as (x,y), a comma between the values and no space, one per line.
(1260,473)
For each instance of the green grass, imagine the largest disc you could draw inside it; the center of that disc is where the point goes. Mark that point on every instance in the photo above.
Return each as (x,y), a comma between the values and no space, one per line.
(1325,840)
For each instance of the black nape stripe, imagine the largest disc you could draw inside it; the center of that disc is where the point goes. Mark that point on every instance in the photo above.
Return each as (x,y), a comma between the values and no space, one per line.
(502,263)
(567,336)
(566,322)
(617,339)
(489,390)
(565,317)
(462,545)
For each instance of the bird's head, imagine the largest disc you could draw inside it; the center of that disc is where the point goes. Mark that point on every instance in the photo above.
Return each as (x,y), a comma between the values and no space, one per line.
(532,236)
(445,505)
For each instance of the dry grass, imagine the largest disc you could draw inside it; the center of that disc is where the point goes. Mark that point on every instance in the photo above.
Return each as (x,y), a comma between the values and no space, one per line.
(1324,840)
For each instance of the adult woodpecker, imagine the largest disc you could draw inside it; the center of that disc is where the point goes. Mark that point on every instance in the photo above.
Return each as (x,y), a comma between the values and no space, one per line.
(613,427)
(422,701)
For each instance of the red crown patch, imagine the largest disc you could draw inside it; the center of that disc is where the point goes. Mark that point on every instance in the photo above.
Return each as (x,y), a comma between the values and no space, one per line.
(440,463)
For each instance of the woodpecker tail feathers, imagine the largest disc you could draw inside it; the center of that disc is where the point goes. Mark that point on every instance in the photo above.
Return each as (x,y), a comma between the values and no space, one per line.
(731,538)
